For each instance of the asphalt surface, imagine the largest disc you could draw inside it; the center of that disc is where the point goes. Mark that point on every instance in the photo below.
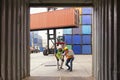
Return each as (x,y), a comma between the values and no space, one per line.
(45,68)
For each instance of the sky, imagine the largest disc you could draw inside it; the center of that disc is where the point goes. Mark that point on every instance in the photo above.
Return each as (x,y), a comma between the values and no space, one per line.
(37,10)
(40,9)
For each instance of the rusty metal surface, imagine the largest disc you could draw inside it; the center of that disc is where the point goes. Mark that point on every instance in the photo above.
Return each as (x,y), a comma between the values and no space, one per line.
(3,40)
(106,53)
(13,44)
(9,43)
(117,45)
(18,40)
(27,33)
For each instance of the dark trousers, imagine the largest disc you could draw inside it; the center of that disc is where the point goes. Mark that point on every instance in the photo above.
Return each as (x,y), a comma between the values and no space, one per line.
(69,60)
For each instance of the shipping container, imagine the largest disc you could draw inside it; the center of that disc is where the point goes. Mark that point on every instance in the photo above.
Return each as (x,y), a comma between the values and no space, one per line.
(55,19)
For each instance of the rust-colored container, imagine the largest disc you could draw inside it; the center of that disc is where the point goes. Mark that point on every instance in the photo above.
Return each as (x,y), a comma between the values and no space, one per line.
(55,19)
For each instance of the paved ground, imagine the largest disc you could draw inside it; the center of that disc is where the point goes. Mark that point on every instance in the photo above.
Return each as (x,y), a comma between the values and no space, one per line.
(44,68)
(58,78)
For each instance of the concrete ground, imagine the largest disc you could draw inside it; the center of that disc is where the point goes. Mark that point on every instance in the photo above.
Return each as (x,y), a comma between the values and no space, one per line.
(44,68)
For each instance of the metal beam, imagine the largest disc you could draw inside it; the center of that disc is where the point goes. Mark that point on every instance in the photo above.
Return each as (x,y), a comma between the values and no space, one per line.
(61,2)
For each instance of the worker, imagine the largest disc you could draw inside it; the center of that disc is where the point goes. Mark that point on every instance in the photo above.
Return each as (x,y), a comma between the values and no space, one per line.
(70,57)
(59,56)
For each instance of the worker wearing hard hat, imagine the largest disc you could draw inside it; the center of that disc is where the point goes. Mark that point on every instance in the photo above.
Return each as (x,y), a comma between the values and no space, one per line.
(59,56)
(70,57)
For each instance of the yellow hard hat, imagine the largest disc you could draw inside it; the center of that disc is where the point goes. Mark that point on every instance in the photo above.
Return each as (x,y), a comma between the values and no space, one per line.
(65,48)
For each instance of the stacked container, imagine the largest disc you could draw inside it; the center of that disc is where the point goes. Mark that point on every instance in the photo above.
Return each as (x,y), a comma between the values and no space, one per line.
(80,39)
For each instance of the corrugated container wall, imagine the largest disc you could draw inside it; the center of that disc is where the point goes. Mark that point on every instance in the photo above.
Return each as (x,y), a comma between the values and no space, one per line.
(14,40)
(55,19)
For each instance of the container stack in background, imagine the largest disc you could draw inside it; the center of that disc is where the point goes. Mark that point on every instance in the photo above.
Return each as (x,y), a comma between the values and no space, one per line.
(80,39)
(35,40)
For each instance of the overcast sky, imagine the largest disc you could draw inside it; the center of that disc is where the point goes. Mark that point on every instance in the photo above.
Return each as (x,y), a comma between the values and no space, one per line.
(37,10)
(40,9)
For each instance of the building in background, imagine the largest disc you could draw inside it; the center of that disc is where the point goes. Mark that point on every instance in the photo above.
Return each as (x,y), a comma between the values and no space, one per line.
(35,40)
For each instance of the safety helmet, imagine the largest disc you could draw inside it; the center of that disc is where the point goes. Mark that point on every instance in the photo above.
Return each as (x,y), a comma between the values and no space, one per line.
(66,48)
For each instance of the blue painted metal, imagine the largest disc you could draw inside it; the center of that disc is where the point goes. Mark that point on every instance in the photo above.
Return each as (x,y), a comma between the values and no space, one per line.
(67,31)
(86,39)
(76,39)
(86,10)
(86,19)
(77,49)
(68,39)
(86,29)
(86,49)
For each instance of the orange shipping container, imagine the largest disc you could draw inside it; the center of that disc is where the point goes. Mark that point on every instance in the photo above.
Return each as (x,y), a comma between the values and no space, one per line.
(55,19)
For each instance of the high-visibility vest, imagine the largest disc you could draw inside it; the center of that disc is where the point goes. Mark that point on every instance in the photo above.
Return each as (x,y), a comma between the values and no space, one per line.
(69,54)
(59,54)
